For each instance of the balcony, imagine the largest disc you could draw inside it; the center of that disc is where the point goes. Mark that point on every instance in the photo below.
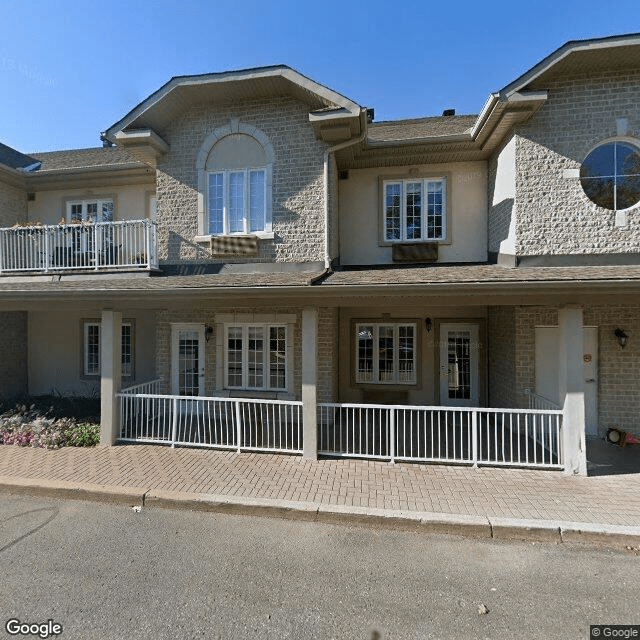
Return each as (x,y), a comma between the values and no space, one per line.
(88,246)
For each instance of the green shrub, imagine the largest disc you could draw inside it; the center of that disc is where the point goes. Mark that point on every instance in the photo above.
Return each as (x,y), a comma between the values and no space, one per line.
(85,434)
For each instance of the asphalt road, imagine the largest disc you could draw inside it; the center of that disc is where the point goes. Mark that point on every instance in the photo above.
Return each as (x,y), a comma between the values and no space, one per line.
(104,571)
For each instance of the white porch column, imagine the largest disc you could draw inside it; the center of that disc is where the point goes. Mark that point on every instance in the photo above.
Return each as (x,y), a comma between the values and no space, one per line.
(110,375)
(571,389)
(309,378)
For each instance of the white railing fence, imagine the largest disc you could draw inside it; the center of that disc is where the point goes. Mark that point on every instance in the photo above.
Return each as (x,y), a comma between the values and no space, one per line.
(227,423)
(153,386)
(65,247)
(475,436)
(496,437)
(540,402)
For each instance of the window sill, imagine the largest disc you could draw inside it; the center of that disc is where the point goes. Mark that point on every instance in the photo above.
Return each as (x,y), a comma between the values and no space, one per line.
(391,243)
(261,235)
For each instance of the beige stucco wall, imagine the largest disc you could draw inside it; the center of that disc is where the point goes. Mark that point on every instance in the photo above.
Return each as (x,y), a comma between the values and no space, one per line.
(360,209)
(131,202)
(502,192)
(427,391)
(555,217)
(297,180)
(55,350)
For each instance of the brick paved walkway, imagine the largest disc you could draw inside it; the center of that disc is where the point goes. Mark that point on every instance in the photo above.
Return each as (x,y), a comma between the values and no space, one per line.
(509,493)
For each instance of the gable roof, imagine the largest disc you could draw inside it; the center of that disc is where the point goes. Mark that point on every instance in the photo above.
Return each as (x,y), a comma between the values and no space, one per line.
(181,91)
(580,56)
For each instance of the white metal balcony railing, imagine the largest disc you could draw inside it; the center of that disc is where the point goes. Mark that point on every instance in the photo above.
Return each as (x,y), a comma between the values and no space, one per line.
(226,423)
(125,244)
(477,436)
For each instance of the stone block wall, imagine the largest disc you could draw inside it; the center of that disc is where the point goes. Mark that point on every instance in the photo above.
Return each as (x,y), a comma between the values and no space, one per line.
(14,349)
(555,217)
(328,354)
(618,369)
(501,356)
(13,204)
(297,193)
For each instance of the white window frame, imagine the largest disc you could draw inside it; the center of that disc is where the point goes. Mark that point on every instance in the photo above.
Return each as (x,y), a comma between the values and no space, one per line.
(373,377)
(403,182)
(266,327)
(127,366)
(226,205)
(83,213)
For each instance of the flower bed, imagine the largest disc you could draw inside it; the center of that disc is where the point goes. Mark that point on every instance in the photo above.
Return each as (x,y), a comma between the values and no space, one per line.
(32,426)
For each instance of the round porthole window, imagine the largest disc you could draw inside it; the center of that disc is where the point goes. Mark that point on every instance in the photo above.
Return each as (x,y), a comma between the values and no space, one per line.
(610,175)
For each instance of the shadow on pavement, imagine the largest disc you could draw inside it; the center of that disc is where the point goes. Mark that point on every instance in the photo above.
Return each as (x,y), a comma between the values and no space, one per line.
(606,459)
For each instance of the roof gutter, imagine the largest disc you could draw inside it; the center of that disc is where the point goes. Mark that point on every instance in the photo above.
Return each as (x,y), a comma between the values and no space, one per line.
(327,153)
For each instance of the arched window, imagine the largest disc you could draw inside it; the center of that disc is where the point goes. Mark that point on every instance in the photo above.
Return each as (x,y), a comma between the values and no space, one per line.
(235,182)
(610,175)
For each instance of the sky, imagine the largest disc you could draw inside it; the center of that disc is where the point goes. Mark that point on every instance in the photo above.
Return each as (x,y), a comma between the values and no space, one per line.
(70,69)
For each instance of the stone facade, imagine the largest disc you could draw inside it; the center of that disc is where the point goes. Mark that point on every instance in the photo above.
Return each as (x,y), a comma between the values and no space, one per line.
(14,350)
(13,204)
(205,314)
(554,215)
(501,354)
(298,181)
(328,354)
(618,373)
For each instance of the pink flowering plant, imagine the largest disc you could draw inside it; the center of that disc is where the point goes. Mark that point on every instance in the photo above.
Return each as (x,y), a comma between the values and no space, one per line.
(27,426)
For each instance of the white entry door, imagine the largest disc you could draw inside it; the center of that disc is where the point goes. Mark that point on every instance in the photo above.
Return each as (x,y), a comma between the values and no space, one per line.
(547,371)
(459,370)
(187,359)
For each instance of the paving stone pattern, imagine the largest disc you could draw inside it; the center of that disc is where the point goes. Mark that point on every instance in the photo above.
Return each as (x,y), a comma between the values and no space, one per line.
(508,493)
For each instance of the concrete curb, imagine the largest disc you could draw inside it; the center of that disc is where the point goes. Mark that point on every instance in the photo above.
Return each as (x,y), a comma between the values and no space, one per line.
(425,522)
(75,491)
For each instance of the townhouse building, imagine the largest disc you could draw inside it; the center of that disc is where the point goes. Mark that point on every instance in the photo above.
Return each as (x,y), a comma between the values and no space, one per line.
(252,261)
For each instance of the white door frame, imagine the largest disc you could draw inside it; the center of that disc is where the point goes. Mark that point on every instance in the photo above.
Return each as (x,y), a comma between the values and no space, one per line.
(176,329)
(473,328)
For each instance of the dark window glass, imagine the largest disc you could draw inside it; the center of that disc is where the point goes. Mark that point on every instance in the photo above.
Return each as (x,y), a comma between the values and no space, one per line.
(610,176)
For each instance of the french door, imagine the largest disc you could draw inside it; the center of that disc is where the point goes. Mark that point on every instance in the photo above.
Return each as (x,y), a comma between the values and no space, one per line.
(187,359)
(459,370)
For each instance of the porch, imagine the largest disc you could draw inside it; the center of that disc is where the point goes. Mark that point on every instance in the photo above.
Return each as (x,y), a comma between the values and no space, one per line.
(437,434)
(98,246)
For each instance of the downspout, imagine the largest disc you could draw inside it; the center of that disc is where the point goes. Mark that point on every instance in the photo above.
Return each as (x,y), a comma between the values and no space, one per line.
(330,150)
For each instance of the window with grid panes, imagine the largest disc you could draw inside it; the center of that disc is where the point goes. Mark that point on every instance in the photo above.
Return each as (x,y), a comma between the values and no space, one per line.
(90,210)
(91,347)
(256,357)
(386,353)
(237,201)
(414,210)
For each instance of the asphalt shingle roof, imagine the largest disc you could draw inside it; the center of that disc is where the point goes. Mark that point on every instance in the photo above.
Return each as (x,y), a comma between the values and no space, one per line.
(485,273)
(373,276)
(95,157)
(419,128)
